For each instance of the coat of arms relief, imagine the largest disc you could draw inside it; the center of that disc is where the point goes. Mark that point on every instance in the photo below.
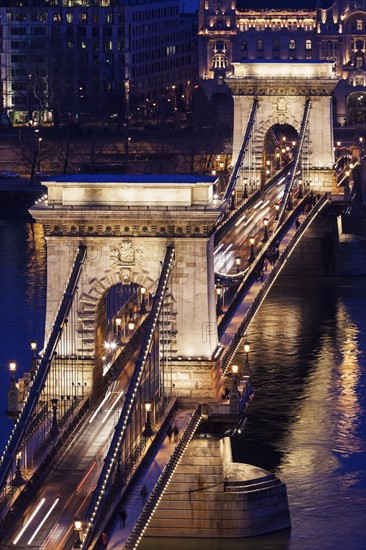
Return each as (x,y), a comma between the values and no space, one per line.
(126,254)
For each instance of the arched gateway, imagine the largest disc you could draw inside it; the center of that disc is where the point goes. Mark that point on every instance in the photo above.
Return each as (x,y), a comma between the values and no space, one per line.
(282,89)
(126,223)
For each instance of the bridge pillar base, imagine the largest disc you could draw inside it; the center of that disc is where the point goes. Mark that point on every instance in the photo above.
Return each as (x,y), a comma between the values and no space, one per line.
(210,496)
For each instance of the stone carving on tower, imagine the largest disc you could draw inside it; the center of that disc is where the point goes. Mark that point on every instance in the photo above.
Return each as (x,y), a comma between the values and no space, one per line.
(126,254)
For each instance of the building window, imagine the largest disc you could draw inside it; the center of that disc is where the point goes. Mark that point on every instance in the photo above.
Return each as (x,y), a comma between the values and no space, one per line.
(359,25)
(308,45)
(292,45)
(260,45)
(220,46)
(69,18)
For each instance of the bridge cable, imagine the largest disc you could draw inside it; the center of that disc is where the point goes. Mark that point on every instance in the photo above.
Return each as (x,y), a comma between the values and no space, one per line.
(263,291)
(293,171)
(234,175)
(43,370)
(119,435)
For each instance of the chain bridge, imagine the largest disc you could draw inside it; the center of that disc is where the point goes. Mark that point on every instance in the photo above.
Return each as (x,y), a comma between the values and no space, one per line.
(152,282)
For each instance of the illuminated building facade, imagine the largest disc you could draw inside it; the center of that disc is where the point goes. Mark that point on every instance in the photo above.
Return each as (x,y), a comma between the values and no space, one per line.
(234,31)
(90,55)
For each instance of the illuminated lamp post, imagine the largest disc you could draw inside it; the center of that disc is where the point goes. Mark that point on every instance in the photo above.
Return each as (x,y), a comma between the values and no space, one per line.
(245,193)
(219,310)
(143,304)
(277,207)
(33,368)
(148,431)
(54,428)
(237,263)
(118,322)
(300,193)
(77,528)
(278,160)
(235,370)
(13,394)
(247,350)
(252,253)
(131,325)
(265,235)
(18,478)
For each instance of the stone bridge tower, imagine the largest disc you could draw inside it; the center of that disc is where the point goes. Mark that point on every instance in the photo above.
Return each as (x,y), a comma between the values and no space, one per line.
(126,223)
(282,88)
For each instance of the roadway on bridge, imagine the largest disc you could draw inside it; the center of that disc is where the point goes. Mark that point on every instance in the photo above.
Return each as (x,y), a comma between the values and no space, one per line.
(48,522)
(235,243)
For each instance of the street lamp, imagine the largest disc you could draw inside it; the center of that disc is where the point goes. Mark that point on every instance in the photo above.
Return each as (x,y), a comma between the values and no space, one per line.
(300,195)
(219,310)
(252,254)
(77,528)
(265,236)
(245,193)
(237,263)
(54,427)
(247,350)
(12,368)
(18,479)
(118,322)
(235,370)
(148,431)
(131,325)
(143,304)
(277,207)
(33,368)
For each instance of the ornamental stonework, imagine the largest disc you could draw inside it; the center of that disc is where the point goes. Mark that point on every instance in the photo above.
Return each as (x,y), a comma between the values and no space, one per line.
(126,254)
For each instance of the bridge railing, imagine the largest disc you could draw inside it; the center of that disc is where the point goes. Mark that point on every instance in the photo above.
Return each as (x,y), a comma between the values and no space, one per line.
(234,175)
(290,184)
(267,284)
(121,443)
(37,385)
(163,481)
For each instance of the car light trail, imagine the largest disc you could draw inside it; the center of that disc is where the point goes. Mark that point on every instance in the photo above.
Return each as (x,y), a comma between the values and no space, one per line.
(257,205)
(99,407)
(218,248)
(264,204)
(240,220)
(86,476)
(34,513)
(42,522)
(112,407)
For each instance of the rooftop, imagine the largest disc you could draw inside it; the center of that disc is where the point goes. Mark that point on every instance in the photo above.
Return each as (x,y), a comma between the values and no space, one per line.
(132,179)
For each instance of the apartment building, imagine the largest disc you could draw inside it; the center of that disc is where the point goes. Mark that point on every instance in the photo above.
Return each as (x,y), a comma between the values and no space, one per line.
(73,56)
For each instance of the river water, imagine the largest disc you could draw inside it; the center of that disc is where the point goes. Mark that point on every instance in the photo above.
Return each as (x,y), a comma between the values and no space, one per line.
(306,422)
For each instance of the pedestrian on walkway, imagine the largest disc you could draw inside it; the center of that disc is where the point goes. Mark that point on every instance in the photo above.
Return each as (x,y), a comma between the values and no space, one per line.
(169,432)
(143,493)
(176,433)
(122,517)
(297,224)
(104,540)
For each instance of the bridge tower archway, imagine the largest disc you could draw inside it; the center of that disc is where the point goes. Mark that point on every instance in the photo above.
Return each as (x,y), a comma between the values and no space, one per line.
(279,146)
(282,89)
(126,224)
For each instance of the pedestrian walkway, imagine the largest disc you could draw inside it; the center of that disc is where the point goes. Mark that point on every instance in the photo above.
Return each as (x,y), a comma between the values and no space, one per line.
(137,498)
